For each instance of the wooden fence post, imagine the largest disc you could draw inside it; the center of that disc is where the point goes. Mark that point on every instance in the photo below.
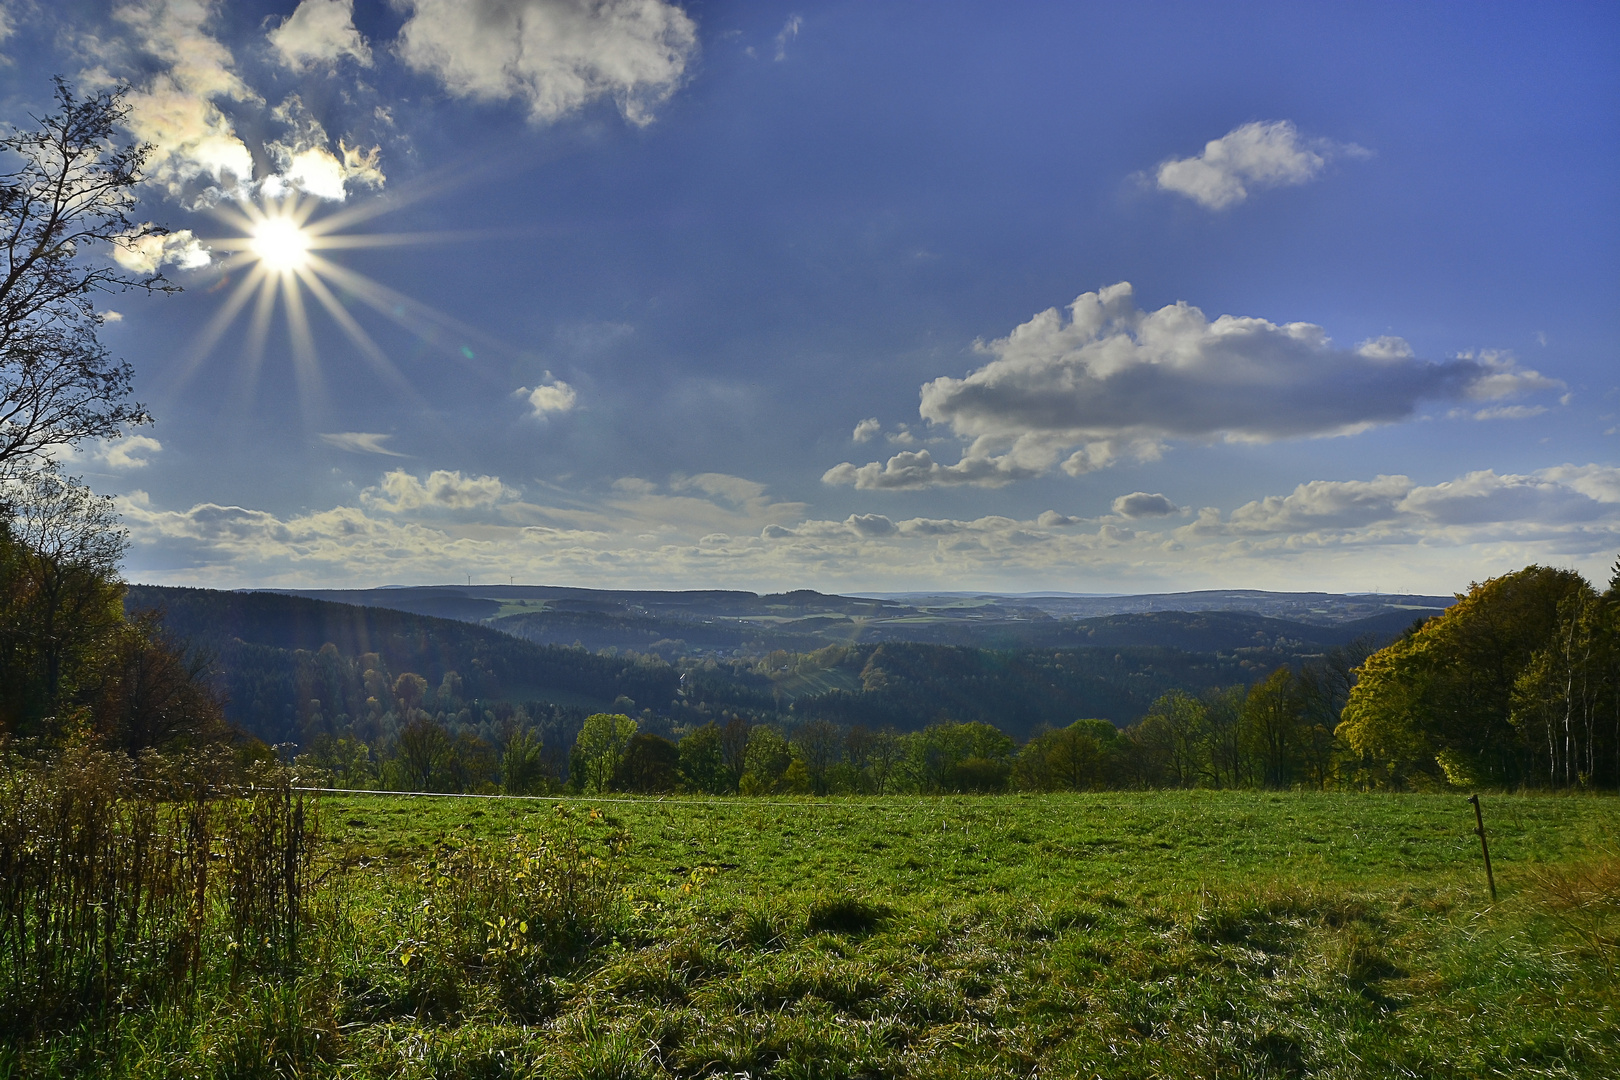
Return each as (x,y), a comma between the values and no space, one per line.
(1484,846)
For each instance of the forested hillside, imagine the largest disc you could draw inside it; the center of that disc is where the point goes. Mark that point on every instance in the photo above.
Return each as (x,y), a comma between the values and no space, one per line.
(437,702)
(699,623)
(908,685)
(291,667)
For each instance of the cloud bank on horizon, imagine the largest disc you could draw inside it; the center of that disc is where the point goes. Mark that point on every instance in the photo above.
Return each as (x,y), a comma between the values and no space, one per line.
(697,256)
(646,534)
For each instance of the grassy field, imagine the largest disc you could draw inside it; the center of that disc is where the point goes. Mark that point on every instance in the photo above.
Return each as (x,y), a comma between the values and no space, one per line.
(1114,935)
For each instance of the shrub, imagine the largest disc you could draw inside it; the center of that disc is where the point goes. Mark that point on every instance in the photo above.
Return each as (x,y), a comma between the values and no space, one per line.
(118,884)
(509,914)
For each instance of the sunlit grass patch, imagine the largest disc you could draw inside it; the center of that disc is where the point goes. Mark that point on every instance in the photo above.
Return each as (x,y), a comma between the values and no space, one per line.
(1166,934)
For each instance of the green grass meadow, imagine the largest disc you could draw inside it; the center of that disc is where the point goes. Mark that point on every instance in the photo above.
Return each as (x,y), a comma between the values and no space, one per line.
(1113,935)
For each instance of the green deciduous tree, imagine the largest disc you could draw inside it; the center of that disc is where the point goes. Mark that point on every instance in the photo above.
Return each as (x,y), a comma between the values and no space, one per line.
(650,766)
(1509,686)
(1560,695)
(702,762)
(961,757)
(523,764)
(1383,721)
(1169,747)
(1271,727)
(61,594)
(765,761)
(820,746)
(598,751)
(1223,710)
(342,762)
(1080,757)
(885,755)
(424,753)
(150,693)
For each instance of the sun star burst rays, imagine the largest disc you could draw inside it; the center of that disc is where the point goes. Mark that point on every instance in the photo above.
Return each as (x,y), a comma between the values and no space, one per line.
(275,250)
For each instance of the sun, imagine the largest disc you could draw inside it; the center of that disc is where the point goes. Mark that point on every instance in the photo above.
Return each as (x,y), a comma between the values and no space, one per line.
(281,244)
(278,251)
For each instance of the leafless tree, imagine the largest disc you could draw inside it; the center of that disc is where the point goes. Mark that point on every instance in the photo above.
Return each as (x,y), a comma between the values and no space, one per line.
(65,201)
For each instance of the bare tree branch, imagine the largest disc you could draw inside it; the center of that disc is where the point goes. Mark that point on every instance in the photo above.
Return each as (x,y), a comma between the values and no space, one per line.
(66,195)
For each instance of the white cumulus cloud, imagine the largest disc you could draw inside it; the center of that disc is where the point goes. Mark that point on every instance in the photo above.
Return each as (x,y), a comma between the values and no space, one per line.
(867,429)
(304,159)
(1481,506)
(1486,498)
(129,452)
(1339,534)
(1325,504)
(1108,381)
(871,525)
(151,253)
(911,469)
(1256,155)
(556,56)
(402,493)
(176,109)
(319,32)
(1139,504)
(186,88)
(551,396)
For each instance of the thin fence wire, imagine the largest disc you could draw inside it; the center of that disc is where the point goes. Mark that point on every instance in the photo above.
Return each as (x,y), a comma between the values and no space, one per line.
(865,801)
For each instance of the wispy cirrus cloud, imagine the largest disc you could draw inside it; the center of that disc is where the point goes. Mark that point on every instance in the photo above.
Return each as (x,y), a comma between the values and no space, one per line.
(1106,381)
(1256,155)
(360,442)
(789,31)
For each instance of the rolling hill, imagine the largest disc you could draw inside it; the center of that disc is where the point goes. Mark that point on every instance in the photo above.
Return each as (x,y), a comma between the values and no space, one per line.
(285,660)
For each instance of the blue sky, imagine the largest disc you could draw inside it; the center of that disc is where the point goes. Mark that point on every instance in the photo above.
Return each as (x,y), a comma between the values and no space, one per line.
(773,296)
